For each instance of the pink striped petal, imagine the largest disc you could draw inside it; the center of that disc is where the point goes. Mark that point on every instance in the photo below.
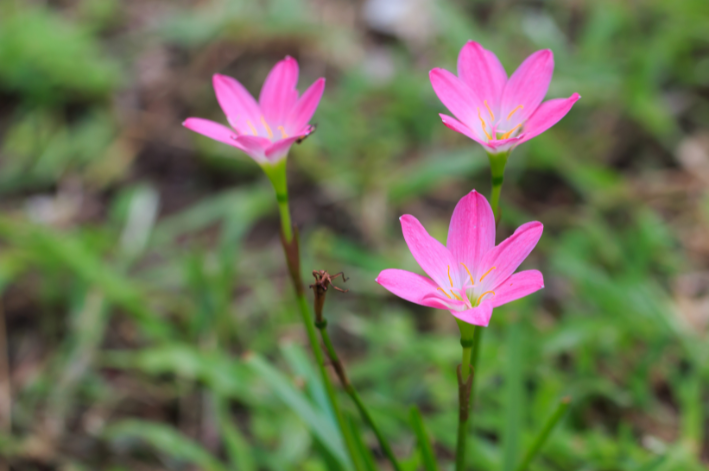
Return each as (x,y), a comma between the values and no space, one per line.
(278,94)
(527,87)
(236,102)
(430,254)
(279,149)
(511,252)
(457,126)
(254,146)
(547,115)
(410,286)
(481,70)
(460,99)
(471,234)
(306,106)
(211,129)
(479,315)
(518,286)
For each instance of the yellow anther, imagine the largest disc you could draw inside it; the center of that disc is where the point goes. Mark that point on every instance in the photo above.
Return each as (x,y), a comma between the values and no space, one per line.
(268,129)
(514,111)
(481,296)
(253,129)
(509,133)
(471,276)
(486,273)
(456,296)
(444,292)
(492,115)
(449,276)
(283,131)
(482,121)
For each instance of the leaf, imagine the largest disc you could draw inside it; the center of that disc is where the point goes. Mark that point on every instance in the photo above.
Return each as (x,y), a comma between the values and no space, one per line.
(316,420)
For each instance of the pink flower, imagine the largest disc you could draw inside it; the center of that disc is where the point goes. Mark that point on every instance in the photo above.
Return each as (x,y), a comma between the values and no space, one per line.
(496,112)
(470,276)
(264,130)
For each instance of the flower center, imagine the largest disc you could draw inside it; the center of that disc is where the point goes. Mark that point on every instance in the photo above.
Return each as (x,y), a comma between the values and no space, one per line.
(471,298)
(493,126)
(266,127)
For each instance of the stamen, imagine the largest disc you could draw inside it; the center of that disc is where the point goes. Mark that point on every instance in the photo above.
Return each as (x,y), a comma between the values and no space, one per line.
(486,273)
(482,121)
(456,296)
(514,111)
(268,129)
(481,296)
(253,129)
(444,292)
(449,276)
(492,116)
(471,276)
(508,133)
(283,131)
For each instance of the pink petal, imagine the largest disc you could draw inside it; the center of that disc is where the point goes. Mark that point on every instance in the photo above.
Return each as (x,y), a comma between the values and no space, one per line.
(279,95)
(211,129)
(457,126)
(471,234)
(479,315)
(430,254)
(518,286)
(279,149)
(410,286)
(527,87)
(481,70)
(254,146)
(507,256)
(547,115)
(460,99)
(306,106)
(236,102)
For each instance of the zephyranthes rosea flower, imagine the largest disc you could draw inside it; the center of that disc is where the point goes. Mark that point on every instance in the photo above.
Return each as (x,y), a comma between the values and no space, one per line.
(471,275)
(267,129)
(496,112)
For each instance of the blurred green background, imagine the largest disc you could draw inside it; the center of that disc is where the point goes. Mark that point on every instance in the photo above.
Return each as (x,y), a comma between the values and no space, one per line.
(140,262)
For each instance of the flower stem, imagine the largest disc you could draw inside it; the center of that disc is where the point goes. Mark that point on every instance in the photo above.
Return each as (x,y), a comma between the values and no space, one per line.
(544,433)
(465,378)
(497,170)
(289,240)
(284,210)
(352,392)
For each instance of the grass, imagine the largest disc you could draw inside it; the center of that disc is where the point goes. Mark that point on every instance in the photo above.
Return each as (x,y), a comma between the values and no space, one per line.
(150,322)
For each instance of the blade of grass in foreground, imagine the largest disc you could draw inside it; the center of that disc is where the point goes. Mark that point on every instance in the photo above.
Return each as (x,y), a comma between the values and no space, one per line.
(317,422)
(514,395)
(544,433)
(422,438)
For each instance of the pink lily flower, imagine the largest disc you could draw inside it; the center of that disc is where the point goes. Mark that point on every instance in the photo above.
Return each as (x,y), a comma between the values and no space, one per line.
(470,276)
(493,111)
(267,129)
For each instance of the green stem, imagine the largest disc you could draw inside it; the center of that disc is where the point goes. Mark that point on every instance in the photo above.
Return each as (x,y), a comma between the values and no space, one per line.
(291,252)
(474,355)
(463,417)
(366,416)
(544,434)
(329,388)
(284,210)
(497,170)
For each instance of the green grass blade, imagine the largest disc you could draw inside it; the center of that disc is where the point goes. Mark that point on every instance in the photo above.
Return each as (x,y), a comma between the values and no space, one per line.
(167,441)
(422,438)
(513,396)
(544,433)
(316,421)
